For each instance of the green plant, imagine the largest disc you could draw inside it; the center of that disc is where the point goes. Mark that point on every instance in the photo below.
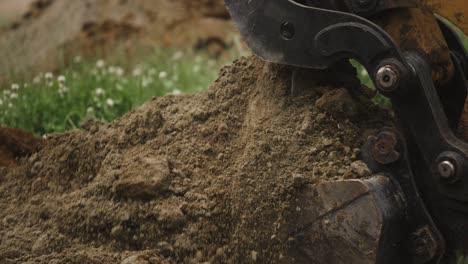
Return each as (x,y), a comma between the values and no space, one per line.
(58,102)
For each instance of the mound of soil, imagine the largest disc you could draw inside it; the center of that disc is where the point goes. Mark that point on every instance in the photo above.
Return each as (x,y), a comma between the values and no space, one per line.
(14,144)
(55,31)
(202,178)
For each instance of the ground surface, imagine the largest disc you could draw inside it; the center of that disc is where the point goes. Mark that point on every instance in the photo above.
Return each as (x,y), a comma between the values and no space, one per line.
(52,32)
(208,177)
(11,10)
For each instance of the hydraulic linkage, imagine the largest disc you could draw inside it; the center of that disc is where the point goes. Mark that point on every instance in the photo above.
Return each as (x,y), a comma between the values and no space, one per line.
(424,159)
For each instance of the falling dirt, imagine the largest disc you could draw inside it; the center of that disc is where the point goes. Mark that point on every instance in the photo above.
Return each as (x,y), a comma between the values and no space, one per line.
(53,32)
(210,177)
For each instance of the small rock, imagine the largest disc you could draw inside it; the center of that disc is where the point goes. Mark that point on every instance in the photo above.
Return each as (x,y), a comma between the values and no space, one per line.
(171,215)
(360,169)
(49,243)
(146,178)
(134,260)
(36,200)
(9,220)
(254,255)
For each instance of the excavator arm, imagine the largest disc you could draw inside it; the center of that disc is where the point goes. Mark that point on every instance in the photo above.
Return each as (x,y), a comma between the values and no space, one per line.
(416,207)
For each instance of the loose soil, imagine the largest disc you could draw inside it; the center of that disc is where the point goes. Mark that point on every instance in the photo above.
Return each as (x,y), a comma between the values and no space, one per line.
(52,32)
(210,177)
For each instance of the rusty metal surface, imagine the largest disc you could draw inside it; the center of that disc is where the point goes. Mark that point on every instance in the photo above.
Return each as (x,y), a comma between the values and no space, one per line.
(463,125)
(384,147)
(454,10)
(415,29)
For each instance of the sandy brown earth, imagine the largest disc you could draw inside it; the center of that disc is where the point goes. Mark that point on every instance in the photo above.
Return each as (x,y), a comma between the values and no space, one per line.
(211,177)
(53,32)
(12,10)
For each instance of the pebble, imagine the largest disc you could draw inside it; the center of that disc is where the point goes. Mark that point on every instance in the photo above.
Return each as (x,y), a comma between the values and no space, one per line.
(254,255)
(360,169)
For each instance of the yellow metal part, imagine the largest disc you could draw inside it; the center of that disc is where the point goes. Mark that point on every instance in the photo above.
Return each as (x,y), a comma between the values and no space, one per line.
(415,29)
(454,10)
(463,124)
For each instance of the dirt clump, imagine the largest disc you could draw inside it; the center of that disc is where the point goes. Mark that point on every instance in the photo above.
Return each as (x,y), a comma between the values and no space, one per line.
(210,177)
(14,144)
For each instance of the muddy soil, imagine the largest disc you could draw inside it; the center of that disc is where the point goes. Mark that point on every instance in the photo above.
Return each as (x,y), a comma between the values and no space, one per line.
(210,177)
(14,144)
(53,32)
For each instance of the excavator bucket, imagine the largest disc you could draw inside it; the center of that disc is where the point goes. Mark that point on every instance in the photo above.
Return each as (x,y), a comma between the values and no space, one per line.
(350,221)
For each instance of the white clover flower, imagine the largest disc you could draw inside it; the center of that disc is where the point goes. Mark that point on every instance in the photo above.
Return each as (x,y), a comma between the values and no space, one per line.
(137,71)
(37,79)
(6,92)
(152,71)
(1,102)
(196,68)
(13,95)
(49,75)
(15,87)
(89,110)
(111,70)
(63,90)
(77,59)
(10,105)
(168,84)
(147,81)
(100,91)
(110,102)
(61,79)
(163,75)
(119,71)
(176,92)
(178,55)
(100,64)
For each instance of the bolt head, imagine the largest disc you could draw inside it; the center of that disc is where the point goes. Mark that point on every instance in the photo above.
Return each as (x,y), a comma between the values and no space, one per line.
(447,169)
(384,147)
(287,30)
(388,78)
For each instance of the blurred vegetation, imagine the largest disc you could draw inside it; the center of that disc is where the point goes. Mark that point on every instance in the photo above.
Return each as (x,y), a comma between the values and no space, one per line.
(57,102)
(53,102)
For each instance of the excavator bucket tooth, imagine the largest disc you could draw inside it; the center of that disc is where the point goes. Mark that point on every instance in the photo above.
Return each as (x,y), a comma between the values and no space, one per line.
(352,221)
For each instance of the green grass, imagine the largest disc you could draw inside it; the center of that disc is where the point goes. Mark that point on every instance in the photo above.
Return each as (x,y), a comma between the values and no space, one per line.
(61,101)
(462,260)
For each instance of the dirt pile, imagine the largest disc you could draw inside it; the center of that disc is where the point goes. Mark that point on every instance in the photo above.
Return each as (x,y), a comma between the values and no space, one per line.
(202,178)
(55,31)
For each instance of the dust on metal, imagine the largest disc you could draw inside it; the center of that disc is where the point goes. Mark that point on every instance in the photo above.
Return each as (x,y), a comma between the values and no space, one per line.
(384,148)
